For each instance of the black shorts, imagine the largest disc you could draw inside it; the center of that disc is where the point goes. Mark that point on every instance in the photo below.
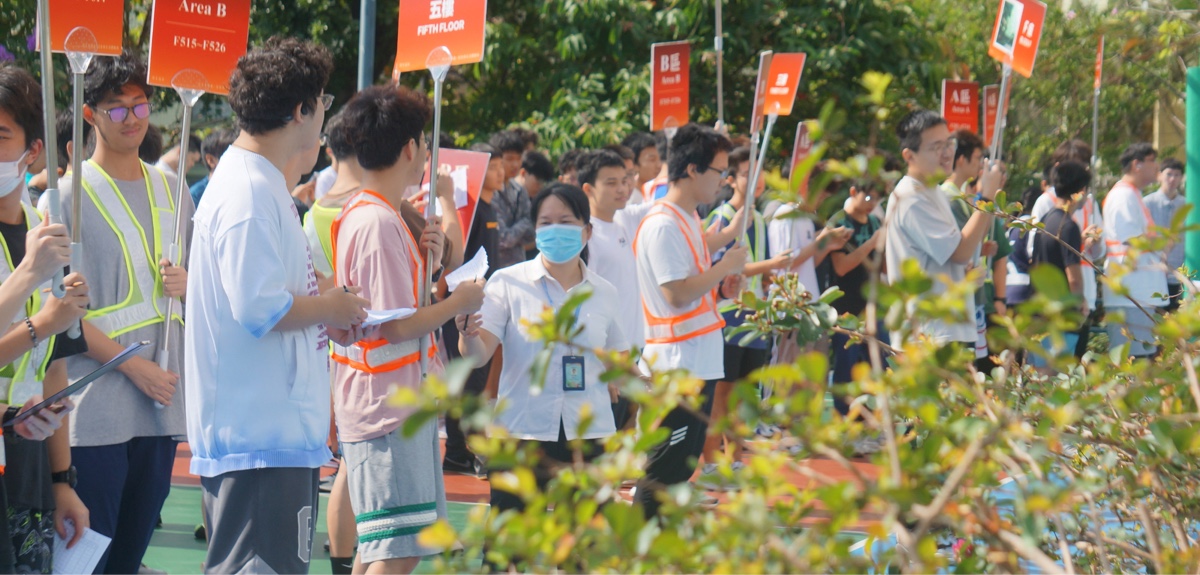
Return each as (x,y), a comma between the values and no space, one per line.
(740,362)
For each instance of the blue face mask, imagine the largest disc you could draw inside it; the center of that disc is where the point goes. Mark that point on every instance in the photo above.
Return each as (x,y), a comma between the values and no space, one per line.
(560,243)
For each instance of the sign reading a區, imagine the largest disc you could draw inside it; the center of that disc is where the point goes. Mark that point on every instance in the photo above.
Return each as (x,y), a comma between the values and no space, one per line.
(783,82)
(94,26)
(196,44)
(1016,34)
(960,105)
(427,24)
(670,64)
(991,99)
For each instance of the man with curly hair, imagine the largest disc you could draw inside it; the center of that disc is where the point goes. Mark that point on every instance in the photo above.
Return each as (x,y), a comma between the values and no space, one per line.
(257,327)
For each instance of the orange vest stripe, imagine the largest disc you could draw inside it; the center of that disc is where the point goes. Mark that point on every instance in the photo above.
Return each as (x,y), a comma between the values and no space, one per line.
(704,318)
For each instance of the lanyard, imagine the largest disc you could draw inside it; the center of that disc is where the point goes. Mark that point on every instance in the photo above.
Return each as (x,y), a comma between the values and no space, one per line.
(546,291)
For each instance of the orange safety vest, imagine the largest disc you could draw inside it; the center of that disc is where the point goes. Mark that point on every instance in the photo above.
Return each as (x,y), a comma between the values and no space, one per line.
(379,356)
(1116,248)
(701,320)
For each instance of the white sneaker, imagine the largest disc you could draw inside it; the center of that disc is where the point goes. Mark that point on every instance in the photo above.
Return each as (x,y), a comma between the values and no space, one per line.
(867,445)
(712,479)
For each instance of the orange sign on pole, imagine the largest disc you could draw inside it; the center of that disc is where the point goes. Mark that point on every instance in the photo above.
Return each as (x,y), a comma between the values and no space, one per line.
(467,169)
(1099,63)
(1016,34)
(94,26)
(760,91)
(427,24)
(960,105)
(800,151)
(196,44)
(670,64)
(783,82)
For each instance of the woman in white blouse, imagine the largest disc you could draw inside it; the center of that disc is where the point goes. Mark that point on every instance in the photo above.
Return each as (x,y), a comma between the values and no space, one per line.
(549,416)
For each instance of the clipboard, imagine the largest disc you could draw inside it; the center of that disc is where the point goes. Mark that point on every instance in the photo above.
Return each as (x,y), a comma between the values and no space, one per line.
(112,364)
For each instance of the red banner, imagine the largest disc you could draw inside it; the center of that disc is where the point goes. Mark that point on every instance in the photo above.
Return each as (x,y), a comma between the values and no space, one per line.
(94,26)
(196,44)
(467,169)
(760,91)
(1099,63)
(1016,34)
(670,64)
(428,24)
(960,105)
(800,151)
(991,96)
(783,82)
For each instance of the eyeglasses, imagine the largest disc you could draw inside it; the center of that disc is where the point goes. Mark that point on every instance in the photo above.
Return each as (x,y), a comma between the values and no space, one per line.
(326,101)
(947,145)
(724,172)
(324,140)
(120,113)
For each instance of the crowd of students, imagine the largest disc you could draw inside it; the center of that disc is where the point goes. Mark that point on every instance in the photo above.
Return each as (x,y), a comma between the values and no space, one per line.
(273,346)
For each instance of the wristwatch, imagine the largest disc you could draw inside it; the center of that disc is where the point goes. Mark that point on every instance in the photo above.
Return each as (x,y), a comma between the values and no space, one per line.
(70,477)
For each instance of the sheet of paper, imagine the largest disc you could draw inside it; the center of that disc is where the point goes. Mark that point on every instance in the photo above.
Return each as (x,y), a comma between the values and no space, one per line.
(83,557)
(470,271)
(376,317)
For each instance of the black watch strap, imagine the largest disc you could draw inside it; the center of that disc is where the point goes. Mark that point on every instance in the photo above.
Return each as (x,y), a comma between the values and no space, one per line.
(70,477)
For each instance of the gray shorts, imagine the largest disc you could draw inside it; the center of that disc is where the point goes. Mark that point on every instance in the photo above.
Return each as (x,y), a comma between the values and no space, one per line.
(1136,329)
(260,520)
(396,490)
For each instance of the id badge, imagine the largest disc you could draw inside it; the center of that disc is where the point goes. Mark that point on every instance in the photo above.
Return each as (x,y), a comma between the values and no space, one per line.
(573,373)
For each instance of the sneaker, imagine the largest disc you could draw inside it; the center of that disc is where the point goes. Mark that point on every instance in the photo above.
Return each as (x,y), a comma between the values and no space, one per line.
(712,479)
(767,430)
(474,468)
(867,446)
(200,533)
(326,484)
(150,570)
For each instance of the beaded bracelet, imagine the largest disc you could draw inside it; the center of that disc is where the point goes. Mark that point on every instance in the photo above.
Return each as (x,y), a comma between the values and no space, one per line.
(32,332)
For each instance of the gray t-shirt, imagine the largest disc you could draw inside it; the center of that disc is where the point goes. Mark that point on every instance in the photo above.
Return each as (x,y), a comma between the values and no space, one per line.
(112,409)
(1163,210)
(921,226)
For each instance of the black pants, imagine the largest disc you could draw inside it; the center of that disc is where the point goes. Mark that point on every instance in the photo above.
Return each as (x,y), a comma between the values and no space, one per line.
(552,452)
(456,440)
(674,460)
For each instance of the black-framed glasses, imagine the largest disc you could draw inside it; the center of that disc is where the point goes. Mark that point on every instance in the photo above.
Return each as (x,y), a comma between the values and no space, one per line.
(120,113)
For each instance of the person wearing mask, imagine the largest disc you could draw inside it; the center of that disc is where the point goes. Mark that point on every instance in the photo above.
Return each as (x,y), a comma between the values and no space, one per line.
(1163,205)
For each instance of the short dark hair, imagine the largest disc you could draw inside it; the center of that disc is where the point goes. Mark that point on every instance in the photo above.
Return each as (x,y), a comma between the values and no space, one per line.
(569,160)
(64,130)
(272,79)
(109,75)
(537,165)
(637,142)
(968,142)
(662,145)
(217,141)
(1171,164)
(507,141)
(1070,178)
(151,148)
(381,120)
(530,137)
(911,126)
(486,149)
(696,145)
(591,164)
(737,157)
(446,141)
(336,137)
(1073,149)
(21,97)
(623,151)
(1136,153)
(1029,197)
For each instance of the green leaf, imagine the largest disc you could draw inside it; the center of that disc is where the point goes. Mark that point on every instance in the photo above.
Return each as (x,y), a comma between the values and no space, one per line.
(1050,282)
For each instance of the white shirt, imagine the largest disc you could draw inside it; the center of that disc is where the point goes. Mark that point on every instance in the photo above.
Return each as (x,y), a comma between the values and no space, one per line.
(794,234)
(325,180)
(610,255)
(1125,217)
(523,291)
(663,256)
(921,226)
(1163,210)
(256,397)
(1086,215)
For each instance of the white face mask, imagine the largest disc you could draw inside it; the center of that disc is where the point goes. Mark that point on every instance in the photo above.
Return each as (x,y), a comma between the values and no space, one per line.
(12,175)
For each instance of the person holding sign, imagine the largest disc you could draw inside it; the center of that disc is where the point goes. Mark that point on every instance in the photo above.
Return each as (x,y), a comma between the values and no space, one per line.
(122,444)
(921,224)
(258,414)
(395,480)
(679,291)
(38,490)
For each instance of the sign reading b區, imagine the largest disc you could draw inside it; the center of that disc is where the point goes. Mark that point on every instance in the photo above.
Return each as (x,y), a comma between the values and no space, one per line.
(196,44)
(783,82)
(960,105)
(1016,34)
(94,26)
(427,24)
(670,64)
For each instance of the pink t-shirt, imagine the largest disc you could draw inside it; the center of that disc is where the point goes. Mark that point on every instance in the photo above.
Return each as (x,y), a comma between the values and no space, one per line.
(374,251)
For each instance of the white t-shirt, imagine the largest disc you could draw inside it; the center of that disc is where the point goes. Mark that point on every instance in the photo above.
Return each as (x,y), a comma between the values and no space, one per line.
(525,290)
(1126,217)
(325,180)
(663,256)
(610,255)
(795,234)
(1086,215)
(256,397)
(921,226)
